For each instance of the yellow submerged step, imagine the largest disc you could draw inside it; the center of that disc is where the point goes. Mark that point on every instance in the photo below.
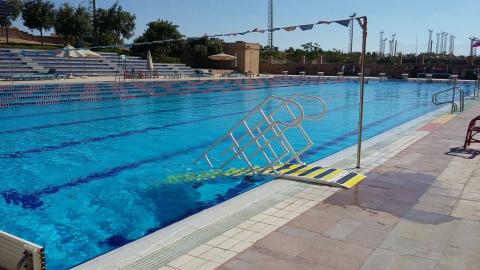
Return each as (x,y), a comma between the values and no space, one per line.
(321,175)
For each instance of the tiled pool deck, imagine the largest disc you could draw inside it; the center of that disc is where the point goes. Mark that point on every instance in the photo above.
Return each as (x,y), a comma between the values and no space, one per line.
(419,208)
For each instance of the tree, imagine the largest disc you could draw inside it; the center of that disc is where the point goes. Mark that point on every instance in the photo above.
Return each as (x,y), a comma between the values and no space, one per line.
(200,54)
(114,24)
(14,8)
(38,15)
(160,30)
(197,50)
(73,24)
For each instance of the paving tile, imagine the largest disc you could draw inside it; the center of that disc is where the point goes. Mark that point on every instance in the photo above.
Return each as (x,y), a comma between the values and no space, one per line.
(194,264)
(466,235)
(240,247)
(232,232)
(284,243)
(180,261)
(211,254)
(224,256)
(257,258)
(458,259)
(217,240)
(236,264)
(366,237)
(436,204)
(334,259)
(444,191)
(404,246)
(380,259)
(403,262)
(199,250)
(467,209)
(342,229)
(228,244)
(243,235)
(209,266)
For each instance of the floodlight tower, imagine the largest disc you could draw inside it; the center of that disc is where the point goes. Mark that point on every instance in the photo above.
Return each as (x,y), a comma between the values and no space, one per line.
(472,39)
(451,46)
(350,29)
(380,47)
(445,43)
(429,49)
(270,27)
(93,9)
(437,49)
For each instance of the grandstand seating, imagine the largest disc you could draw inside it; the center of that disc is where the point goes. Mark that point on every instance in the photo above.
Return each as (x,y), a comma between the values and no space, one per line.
(13,61)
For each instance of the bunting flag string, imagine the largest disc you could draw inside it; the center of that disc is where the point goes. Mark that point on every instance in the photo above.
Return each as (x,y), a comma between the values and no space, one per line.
(303,27)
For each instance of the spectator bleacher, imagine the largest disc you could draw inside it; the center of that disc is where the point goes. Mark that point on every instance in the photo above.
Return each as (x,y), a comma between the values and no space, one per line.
(136,63)
(14,61)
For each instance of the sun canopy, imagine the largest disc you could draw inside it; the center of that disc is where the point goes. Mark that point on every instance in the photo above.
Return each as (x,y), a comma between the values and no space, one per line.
(69,52)
(89,54)
(222,57)
(149,61)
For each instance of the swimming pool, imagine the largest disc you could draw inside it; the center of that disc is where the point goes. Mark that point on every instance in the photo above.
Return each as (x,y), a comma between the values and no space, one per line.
(88,168)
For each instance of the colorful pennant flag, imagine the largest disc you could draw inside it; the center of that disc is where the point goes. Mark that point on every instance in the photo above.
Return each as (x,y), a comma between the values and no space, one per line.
(290,28)
(306,27)
(324,22)
(343,22)
(476,44)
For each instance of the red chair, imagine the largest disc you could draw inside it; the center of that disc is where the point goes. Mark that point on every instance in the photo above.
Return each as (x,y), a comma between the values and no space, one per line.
(473,129)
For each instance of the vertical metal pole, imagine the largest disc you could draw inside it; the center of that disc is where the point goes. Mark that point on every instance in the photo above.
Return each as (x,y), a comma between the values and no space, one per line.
(453,95)
(93,5)
(270,30)
(362,87)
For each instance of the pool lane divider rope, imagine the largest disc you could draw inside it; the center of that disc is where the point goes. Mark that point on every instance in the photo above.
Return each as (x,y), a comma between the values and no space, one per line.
(96,98)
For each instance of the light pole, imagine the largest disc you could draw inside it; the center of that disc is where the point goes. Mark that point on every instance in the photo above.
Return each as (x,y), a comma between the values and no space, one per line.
(350,28)
(363,25)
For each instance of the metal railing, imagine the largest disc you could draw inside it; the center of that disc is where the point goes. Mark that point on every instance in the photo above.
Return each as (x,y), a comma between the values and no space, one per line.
(266,136)
(455,107)
(476,89)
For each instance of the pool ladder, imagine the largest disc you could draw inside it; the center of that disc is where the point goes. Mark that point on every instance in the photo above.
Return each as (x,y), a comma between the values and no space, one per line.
(454,90)
(476,89)
(264,132)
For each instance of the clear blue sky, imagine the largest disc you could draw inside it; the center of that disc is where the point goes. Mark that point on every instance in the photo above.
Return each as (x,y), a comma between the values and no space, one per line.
(409,19)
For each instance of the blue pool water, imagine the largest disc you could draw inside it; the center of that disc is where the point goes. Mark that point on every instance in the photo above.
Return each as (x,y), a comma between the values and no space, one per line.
(86,169)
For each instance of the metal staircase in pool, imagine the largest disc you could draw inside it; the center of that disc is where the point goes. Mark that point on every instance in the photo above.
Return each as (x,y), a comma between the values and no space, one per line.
(455,92)
(270,139)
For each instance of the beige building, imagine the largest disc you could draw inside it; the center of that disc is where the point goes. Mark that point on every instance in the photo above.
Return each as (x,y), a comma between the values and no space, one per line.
(248,56)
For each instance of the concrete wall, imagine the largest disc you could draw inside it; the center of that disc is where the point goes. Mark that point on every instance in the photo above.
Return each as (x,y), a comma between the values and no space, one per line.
(370,69)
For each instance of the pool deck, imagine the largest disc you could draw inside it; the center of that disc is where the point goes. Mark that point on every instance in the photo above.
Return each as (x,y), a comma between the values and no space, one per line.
(419,208)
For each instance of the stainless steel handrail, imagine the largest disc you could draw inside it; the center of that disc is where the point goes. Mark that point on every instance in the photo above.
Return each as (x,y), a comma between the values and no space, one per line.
(263,133)
(452,101)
